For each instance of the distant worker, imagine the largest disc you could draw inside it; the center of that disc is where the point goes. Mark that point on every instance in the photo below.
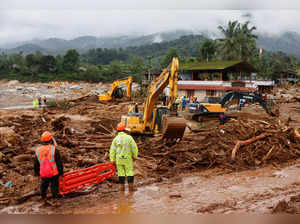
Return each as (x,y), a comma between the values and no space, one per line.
(242,102)
(191,99)
(48,166)
(131,108)
(123,149)
(136,108)
(35,103)
(45,100)
(183,103)
(222,119)
(40,101)
(164,99)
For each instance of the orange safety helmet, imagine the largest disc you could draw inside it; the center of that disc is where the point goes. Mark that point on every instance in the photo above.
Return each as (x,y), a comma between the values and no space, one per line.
(120,127)
(46,136)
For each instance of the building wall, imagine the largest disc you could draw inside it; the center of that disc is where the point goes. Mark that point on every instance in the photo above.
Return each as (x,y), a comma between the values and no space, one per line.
(201,94)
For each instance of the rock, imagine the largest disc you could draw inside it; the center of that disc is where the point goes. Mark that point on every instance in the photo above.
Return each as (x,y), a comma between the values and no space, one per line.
(76,87)
(32,89)
(8,136)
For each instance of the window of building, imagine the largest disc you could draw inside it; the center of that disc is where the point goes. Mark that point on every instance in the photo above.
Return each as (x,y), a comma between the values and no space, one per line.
(211,92)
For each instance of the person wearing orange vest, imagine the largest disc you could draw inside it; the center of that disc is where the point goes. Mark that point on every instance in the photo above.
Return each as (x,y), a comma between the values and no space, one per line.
(47,154)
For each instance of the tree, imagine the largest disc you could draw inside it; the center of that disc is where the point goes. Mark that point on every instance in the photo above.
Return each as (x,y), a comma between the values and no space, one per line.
(247,40)
(207,50)
(71,61)
(137,65)
(48,64)
(238,42)
(93,74)
(30,60)
(172,52)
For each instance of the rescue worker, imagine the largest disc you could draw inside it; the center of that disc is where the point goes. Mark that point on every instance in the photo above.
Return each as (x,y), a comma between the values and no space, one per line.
(178,102)
(136,108)
(123,149)
(131,108)
(40,101)
(47,153)
(35,103)
(183,102)
(222,119)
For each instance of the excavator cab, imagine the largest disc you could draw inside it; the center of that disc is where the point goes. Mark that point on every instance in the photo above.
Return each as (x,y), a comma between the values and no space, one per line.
(116,91)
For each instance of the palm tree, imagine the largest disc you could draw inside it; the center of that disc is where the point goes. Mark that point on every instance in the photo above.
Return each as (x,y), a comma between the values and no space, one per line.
(229,44)
(247,41)
(239,42)
(207,50)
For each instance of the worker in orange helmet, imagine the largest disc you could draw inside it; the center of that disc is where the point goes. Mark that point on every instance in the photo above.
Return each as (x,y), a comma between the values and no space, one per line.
(123,149)
(48,166)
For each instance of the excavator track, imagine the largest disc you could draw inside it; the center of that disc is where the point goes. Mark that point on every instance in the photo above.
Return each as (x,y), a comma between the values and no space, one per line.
(173,127)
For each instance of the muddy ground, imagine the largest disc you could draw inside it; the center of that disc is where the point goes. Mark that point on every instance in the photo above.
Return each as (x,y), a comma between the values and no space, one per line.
(212,170)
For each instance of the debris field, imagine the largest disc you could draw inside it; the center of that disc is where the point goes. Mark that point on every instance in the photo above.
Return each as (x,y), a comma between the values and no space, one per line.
(84,132)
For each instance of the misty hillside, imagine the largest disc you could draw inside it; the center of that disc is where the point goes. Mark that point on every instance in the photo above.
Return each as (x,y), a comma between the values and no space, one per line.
(82,44)
(288,42)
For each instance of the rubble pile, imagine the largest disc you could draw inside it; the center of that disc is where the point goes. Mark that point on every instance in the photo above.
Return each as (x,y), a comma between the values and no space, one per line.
(269,143)
(85,131)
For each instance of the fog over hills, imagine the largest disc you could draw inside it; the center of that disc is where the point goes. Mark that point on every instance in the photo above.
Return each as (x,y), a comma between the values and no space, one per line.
(287,42)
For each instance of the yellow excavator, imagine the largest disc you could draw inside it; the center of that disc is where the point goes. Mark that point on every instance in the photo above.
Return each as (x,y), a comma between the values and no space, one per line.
(116,90)
(155,118)
(206,111)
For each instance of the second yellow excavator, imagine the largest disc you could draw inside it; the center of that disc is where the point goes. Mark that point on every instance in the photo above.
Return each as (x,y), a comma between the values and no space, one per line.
(116,90)
(159,118)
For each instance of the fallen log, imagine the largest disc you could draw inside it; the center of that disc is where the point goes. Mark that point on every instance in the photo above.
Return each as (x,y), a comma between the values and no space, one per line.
(246,142)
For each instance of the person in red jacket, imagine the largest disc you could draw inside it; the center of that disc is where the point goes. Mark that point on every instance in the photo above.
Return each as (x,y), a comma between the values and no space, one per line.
(47,153)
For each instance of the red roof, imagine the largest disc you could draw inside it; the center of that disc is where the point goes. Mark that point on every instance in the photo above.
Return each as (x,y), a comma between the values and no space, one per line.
(196,87)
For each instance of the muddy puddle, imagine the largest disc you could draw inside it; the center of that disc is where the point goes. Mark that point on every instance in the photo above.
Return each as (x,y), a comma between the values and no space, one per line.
(254,191)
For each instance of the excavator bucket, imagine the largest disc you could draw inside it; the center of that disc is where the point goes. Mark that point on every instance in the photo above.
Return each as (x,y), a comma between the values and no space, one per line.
(173,127)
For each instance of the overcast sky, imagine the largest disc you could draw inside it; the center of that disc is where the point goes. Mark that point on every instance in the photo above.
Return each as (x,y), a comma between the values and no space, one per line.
(27,19)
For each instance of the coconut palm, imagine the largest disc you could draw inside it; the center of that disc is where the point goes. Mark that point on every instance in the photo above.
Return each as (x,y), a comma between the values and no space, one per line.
(239,42)
(207,50)
(229,46)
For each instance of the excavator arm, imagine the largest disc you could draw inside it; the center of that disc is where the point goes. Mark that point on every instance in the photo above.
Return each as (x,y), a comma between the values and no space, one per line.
(116,84)
(169,76)
(228,97)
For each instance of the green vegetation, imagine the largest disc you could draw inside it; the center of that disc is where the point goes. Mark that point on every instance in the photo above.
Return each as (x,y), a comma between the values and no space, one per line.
(60,104)
(105,65)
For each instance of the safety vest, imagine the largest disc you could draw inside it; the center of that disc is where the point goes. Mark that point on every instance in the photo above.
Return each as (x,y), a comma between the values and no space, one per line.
(45,151)
(123,148)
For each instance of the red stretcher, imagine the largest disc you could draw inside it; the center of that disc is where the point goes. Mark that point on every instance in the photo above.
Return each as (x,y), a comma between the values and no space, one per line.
(76,180)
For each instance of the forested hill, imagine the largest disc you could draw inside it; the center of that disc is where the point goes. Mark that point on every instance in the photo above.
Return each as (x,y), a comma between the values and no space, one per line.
(154,44)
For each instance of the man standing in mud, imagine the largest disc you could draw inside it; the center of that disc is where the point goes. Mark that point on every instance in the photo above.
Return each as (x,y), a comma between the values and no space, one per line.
(123,149)
(48,166)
